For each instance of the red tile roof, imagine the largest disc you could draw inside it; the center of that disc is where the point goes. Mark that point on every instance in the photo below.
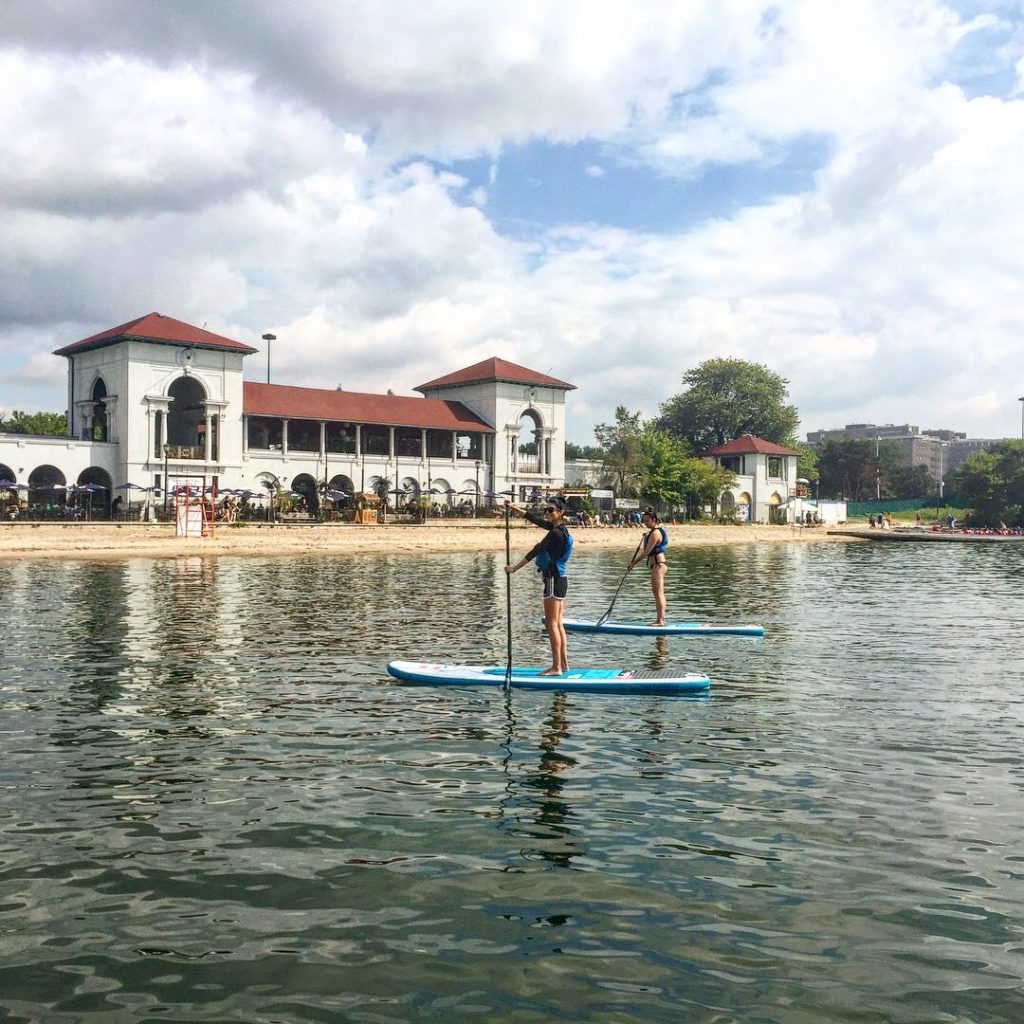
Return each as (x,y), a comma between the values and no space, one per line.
(495,369)
(156,327)
(749,445)
(354,407)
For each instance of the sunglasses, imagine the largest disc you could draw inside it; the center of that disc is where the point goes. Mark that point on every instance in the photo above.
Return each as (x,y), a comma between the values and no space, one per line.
(551,508)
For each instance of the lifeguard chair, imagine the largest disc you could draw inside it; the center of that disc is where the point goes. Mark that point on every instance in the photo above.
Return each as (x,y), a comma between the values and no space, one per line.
(194,513)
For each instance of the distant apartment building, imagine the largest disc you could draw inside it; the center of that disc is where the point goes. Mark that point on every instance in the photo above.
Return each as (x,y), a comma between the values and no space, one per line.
(940,450)
(862,432)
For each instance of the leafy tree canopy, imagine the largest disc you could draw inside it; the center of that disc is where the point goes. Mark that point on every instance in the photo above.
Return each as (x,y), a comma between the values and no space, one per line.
(992,484)
(807,462)
(726,398)
(584,451)
(621,450)
(703,484)
(40,424)
(848,469)
(663,462)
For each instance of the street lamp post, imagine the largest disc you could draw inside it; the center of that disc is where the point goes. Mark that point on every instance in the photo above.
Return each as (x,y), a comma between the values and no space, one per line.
(167,451)
(268,338)
(1021,400)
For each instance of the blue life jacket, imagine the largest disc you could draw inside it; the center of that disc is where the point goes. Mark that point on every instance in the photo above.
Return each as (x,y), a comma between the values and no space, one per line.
(663,544)
(556,567)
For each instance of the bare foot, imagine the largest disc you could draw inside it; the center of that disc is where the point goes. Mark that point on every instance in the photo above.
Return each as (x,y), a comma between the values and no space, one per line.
(551,672)
(656,623)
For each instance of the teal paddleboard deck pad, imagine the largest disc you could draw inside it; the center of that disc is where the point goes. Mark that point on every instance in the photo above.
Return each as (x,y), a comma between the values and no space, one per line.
(576,680)
(669,629)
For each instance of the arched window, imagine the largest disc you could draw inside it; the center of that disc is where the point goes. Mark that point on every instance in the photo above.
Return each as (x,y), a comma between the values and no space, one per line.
(526,445)
(187,413)
(98,428)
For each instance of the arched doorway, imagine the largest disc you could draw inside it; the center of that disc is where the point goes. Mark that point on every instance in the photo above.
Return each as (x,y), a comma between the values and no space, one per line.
(727,503)
(744,508)
(47,491)
(98,428)
(305,486)
(95,489)
(187,414)
(527,454)
(6,473)
(776,513)
(340,482)
(340,492)
(265,488)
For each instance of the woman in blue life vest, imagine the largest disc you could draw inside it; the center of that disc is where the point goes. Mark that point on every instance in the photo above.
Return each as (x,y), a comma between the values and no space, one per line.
(653,550)
(551,554)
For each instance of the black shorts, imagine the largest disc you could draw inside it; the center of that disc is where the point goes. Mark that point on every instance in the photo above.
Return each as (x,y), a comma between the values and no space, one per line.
(556,587)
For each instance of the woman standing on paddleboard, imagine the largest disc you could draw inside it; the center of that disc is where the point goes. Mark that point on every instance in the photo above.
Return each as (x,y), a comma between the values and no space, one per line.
(551,553)
(653,549)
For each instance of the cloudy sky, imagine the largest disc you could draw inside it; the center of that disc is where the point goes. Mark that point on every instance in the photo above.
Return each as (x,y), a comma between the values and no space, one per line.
(608,192)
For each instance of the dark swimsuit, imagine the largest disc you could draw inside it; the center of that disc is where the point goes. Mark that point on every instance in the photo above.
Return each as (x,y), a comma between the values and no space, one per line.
(657,556)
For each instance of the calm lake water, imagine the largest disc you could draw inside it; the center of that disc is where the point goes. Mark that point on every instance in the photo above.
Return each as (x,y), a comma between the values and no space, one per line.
(217,807)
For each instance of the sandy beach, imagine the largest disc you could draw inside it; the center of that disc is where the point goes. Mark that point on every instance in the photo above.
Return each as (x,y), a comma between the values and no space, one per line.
(136,540)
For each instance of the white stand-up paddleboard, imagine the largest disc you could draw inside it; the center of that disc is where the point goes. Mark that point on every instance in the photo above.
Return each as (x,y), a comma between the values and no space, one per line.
(576,680)
(669,629)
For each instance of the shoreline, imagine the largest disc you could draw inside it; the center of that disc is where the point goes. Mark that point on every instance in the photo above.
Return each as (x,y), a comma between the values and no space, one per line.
(270,540)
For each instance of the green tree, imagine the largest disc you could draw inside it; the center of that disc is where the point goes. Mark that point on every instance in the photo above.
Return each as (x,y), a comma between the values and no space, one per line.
(848,469)
(621,450)
(991,483)
(727,398)
(40,424)
(585,451)
(807,462)
(663,460)
(904,482)
(702,484)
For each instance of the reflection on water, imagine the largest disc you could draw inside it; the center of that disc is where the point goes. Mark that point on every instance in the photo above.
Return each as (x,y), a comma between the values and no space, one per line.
(216,806)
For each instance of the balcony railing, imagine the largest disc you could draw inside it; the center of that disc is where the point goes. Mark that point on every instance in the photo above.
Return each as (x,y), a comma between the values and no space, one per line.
(186,451)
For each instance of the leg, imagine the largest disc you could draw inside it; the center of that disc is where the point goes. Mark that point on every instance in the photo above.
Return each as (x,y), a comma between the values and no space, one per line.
(658,571)
(563,639)
(556,633)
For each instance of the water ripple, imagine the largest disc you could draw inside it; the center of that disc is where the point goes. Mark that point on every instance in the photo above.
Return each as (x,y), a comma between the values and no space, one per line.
(216,806)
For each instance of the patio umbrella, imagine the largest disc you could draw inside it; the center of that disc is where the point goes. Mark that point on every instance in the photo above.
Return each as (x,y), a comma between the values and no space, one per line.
(88,488)
(336,495)
(130,487)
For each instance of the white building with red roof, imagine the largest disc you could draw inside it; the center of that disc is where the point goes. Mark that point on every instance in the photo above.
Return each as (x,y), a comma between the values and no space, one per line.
(766,483)
(156,402)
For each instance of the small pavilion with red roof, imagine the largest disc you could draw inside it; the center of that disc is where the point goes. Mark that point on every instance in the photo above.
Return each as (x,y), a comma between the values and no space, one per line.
(765,472)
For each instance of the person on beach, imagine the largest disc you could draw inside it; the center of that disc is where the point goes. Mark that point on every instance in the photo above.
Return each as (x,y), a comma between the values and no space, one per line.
(653,550)
(551,554)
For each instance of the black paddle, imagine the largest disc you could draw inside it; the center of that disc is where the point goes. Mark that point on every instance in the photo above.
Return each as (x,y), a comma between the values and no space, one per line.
(508,604)
(601,621)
